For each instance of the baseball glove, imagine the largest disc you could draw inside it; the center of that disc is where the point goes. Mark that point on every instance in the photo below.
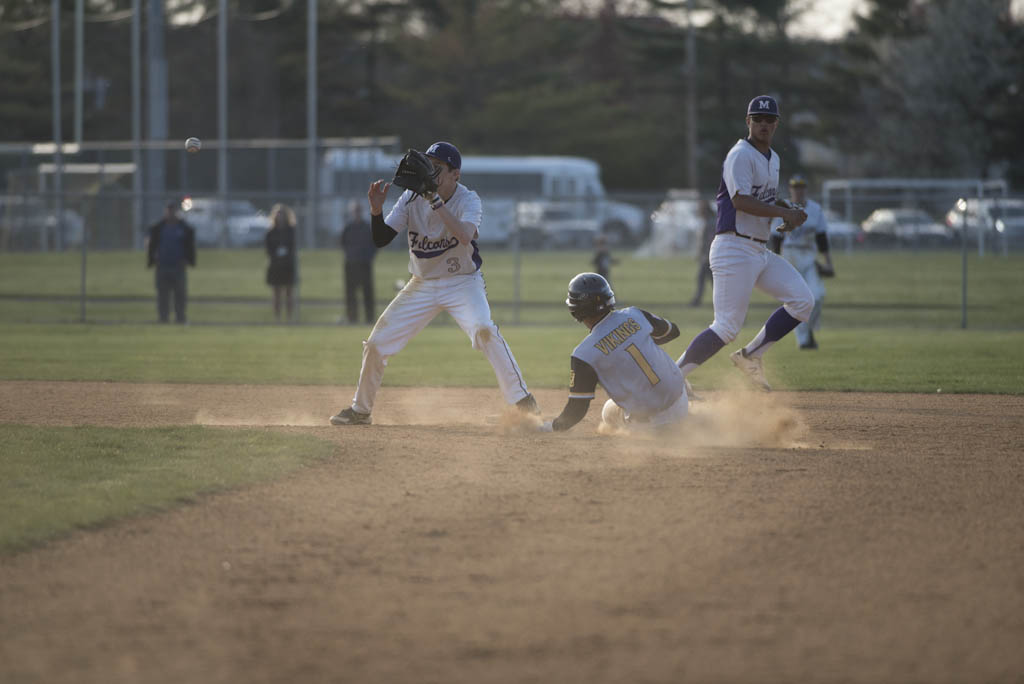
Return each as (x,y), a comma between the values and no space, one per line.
(824,271)
(415,172)
(786,226)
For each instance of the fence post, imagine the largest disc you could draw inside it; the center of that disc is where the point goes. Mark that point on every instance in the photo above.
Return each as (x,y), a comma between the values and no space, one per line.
(517,269)
(961,204)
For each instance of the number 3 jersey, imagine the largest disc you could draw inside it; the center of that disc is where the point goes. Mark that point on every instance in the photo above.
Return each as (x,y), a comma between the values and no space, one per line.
(621,353)
(434,252)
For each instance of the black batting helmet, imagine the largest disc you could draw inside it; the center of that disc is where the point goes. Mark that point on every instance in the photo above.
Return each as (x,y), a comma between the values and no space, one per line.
(589,295)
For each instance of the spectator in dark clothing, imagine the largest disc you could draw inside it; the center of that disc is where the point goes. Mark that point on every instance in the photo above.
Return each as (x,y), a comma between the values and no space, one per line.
(603,259)
(357,243)
(171,246)
(707,234)
(281,269)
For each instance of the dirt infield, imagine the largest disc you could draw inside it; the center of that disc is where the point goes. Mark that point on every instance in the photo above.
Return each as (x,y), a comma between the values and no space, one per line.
(817,537)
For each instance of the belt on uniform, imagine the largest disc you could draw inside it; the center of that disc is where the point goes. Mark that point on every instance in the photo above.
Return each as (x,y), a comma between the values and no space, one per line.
(745,237)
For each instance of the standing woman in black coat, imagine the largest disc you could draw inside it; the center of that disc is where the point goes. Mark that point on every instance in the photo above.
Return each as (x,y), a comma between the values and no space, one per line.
(280,244)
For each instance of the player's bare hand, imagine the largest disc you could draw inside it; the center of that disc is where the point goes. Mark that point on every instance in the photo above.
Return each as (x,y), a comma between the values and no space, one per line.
(378,191)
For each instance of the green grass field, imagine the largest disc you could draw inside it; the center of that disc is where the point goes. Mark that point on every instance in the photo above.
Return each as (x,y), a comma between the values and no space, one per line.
(873,289)
(56,479)
(890,360)
(891,324)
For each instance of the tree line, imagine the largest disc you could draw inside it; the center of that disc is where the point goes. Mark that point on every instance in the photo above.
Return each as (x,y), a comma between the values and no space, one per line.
(915,88)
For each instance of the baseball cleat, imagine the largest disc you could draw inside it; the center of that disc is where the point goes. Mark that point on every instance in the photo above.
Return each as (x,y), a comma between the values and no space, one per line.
(528,405)
(350,417)
(751,367)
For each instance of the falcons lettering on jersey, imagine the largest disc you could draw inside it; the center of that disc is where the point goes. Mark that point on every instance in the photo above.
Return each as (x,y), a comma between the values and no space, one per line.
(766,195)
(425,248)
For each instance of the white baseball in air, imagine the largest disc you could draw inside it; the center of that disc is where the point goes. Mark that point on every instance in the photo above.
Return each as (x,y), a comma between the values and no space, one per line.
(193,144)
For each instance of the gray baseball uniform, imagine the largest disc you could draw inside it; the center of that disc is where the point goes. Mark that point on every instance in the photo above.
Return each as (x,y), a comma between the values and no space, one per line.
(800,247)
(622,353)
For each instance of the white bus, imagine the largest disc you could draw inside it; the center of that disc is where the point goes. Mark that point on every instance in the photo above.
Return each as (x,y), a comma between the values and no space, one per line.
(548,200)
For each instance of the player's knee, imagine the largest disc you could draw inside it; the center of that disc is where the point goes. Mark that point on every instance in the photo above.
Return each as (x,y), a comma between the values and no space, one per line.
(801,307)
(483,335)
(613,414)
(725,330)
(372,352)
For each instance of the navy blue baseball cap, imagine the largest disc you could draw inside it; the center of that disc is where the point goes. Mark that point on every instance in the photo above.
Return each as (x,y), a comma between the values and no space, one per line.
(447,153)
(763,104)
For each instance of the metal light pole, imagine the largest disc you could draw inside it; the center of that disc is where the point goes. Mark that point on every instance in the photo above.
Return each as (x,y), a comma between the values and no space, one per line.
(58,181)
(691,100)
(311,120)
(311,136)
(157,99)
(222,117)
(137,123)
(79,49)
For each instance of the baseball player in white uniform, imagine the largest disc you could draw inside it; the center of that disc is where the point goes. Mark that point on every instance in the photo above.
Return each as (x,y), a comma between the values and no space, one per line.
(740,259)
(801,247)
(621,352)
(444,263)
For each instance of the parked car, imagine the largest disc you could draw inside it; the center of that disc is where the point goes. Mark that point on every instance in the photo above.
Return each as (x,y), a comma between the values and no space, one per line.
(908,226)
(676,224)
(246,225)
(575,223)
(552,200)
(842,232)
(999,218)
(28,223)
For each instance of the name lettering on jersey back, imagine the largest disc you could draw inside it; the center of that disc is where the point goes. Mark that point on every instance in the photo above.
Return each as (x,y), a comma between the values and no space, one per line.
(425,248)
(607,344)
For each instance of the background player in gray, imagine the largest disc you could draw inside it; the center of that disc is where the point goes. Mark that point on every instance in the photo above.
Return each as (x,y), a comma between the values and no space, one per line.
(622,353)
(740,259)
(800,247)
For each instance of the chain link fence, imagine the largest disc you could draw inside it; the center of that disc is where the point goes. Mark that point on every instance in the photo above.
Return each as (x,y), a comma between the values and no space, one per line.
(109,193)
(105,194)
(920,213)
(98,199)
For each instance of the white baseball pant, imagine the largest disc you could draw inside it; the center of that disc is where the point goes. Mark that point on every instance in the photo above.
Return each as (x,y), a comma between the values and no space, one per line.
(739,265)
(418,303)
(615,416)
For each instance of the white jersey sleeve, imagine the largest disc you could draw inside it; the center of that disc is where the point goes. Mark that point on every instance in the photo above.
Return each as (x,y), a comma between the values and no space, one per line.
(434,251)
(398,218)
(738,170)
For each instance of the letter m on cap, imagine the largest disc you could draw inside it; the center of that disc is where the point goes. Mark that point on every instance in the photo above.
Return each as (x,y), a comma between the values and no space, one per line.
(764,104)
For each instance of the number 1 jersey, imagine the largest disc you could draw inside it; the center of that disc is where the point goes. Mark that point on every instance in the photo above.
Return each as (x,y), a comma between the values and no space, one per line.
(635,372)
